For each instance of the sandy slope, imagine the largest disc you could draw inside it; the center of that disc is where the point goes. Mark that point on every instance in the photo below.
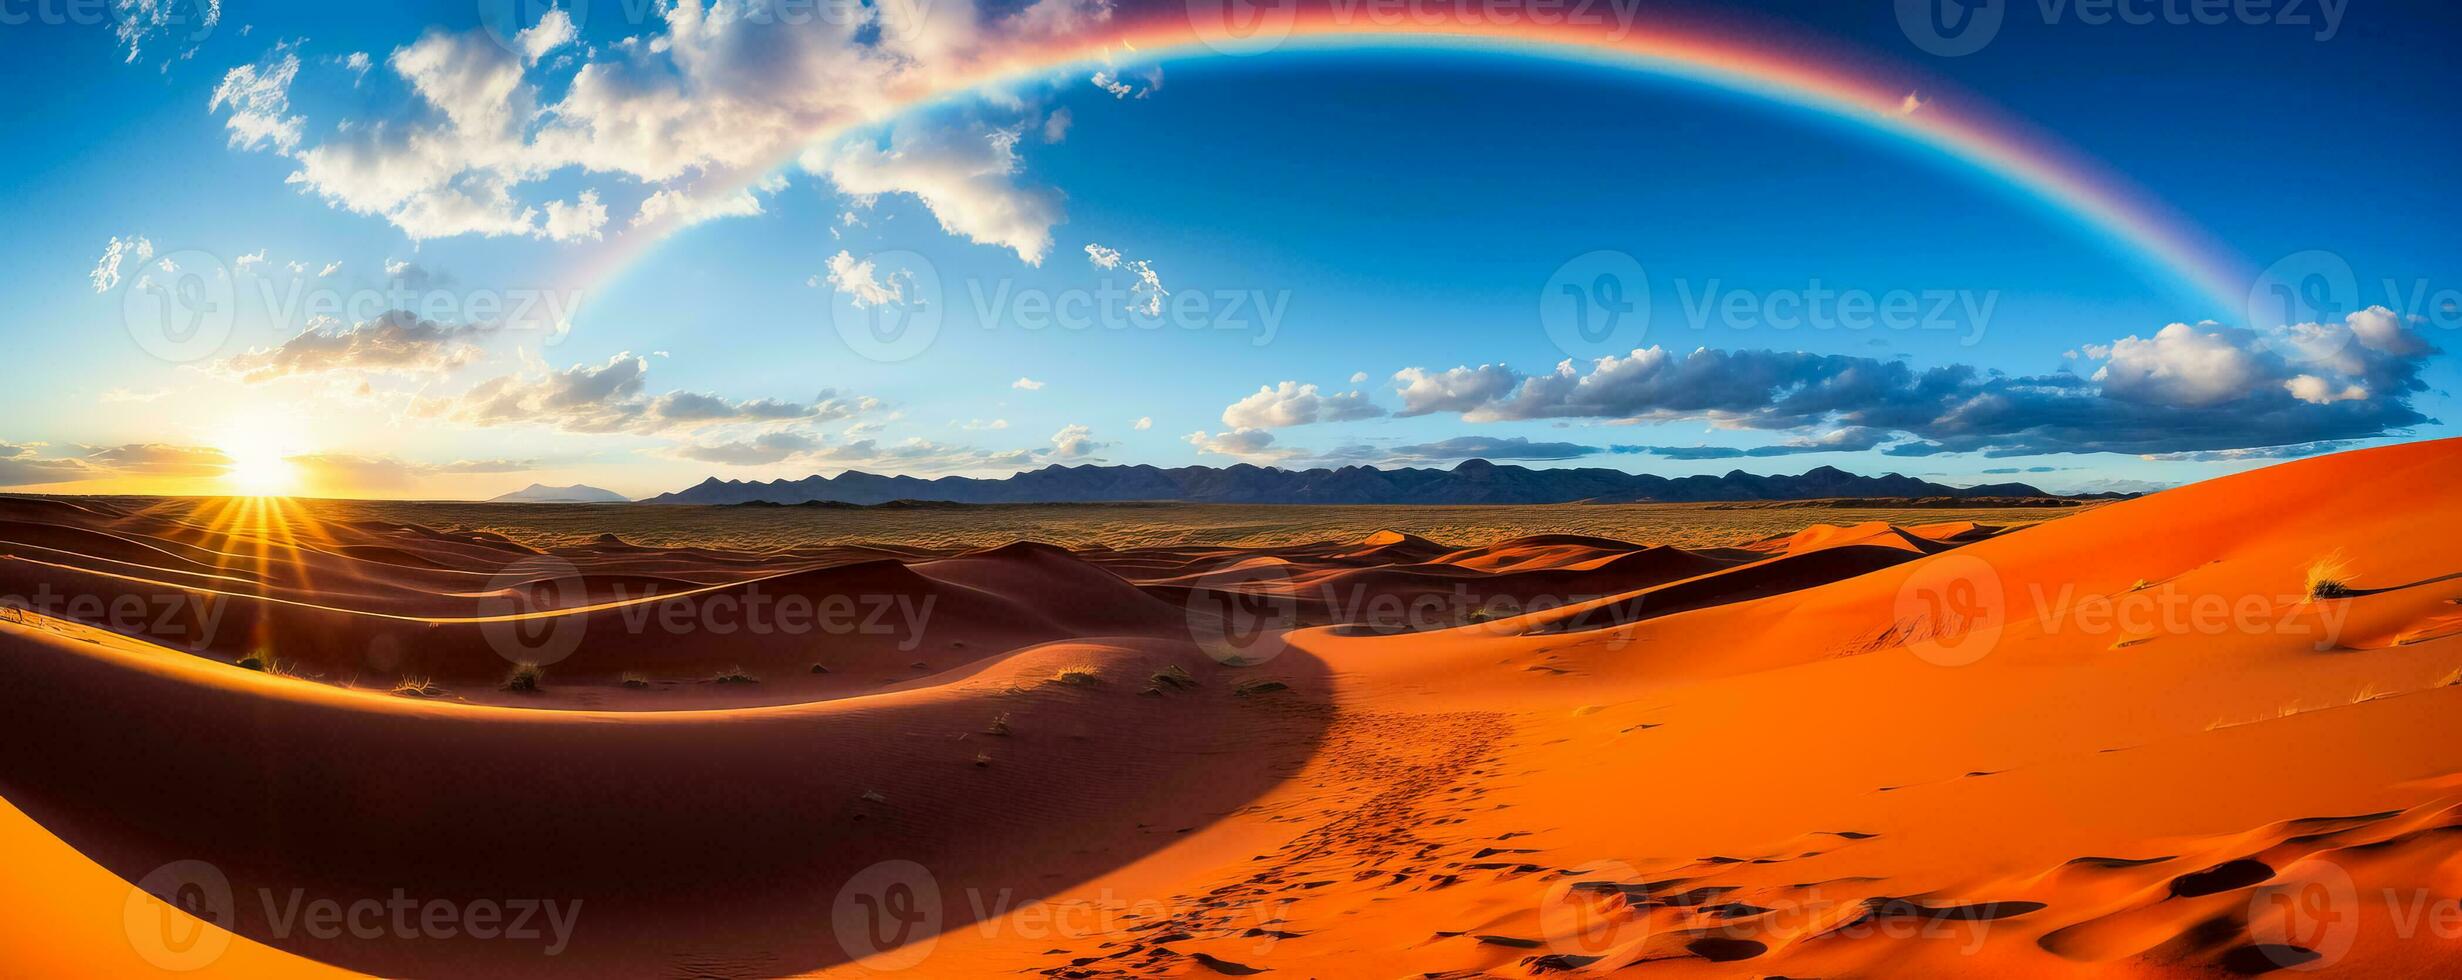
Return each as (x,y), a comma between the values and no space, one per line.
(2125,741)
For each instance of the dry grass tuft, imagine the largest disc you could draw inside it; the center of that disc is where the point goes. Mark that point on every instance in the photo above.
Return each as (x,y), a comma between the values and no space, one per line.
(525,678)
(2330,578)
(1078,675)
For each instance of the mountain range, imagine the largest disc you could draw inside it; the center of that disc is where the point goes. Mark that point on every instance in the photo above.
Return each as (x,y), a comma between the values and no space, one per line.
(1474,481)
(540,493)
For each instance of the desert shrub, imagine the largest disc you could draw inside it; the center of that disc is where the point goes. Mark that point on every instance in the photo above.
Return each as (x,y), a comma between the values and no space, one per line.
(1077,675)
(525,678)
(2330,578)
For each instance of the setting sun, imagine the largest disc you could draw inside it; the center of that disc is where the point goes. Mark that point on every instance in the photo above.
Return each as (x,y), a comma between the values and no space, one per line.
(260,448)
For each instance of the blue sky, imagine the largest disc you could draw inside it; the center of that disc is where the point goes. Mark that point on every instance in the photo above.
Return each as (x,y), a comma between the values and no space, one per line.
(1387,224)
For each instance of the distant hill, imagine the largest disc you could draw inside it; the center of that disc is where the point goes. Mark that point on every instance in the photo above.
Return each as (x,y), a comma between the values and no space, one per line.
(1474,481)
(540,493)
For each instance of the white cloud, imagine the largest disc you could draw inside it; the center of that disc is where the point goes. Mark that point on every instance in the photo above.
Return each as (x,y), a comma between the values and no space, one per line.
(1145,423)
(859,281)
(1075,442)
(554,30)
(963,171)
(1146,295)
(329,269)
(2318,391)
(106,274)
(139,24)
(1026,384)
(396,343)
(687,206)
(710,95)
(1056,125)
(1255,445)
(613,397)
(259,97)
(1359,377)
(2181,365)
(250,262)
(1292,403)
(575,221)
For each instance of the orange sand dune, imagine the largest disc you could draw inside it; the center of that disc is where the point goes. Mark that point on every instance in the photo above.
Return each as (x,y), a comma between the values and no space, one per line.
(2133,740)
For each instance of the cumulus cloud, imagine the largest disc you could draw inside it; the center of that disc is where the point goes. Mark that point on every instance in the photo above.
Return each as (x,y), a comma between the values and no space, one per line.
(575,220)
(613,397)
(23,466)
(964,172)
(1026,384)
(1074,442)
(398,343)
(1291,403)
(1246,444)
(705,100)
(1144,423)
(2186,389)
(759,450)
